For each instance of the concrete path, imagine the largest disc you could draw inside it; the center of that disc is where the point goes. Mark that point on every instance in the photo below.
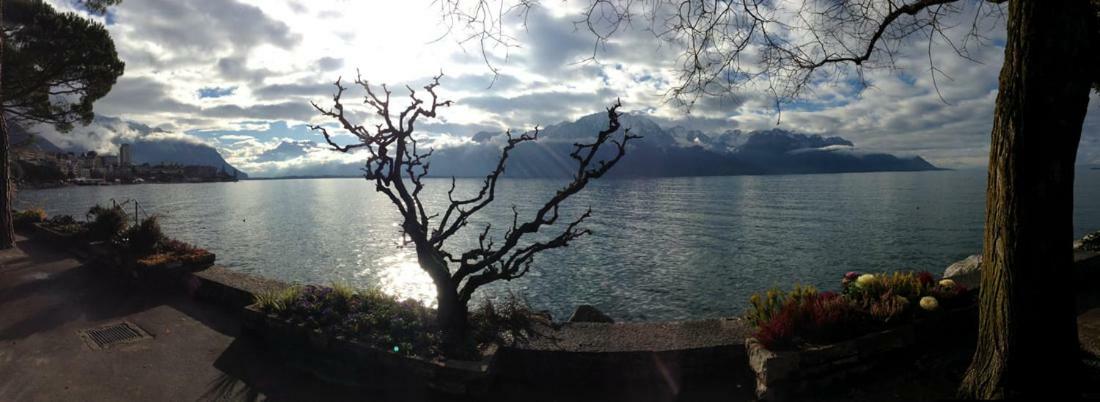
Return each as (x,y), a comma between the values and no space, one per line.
(46,297)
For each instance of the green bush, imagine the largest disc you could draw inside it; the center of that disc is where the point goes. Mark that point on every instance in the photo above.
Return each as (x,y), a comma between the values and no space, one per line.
(277,301)
(106,223)
(25,219)
(505,321)
(143,238)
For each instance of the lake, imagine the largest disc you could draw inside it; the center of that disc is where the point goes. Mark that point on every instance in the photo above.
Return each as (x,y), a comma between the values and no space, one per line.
(662,249)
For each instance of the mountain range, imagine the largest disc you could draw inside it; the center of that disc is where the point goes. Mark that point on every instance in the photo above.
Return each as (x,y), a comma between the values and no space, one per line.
(662,152)
(675,151)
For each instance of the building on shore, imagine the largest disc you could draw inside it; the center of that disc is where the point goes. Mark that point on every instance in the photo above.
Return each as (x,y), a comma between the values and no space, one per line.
(125,155)
(91,167)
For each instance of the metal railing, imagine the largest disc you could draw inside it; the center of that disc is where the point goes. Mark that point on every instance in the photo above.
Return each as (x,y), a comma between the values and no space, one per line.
(138,209)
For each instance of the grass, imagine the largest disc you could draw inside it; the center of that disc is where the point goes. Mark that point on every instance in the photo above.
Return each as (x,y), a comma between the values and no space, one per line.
(277,301)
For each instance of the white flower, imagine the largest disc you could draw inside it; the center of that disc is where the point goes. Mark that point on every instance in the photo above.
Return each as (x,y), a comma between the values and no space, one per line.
(929,303)
(947,283)
(865,279)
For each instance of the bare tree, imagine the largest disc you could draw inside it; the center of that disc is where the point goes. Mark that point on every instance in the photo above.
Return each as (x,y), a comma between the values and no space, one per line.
(1027,331)
(397,167)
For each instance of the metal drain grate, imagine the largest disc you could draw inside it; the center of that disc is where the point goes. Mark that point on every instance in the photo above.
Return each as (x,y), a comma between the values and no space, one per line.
(107,336)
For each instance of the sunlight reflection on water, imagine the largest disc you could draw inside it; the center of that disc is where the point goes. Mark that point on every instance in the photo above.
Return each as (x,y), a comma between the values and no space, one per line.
(401,276)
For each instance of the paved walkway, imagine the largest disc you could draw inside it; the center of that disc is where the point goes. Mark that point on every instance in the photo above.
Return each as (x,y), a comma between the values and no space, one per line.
(46,297)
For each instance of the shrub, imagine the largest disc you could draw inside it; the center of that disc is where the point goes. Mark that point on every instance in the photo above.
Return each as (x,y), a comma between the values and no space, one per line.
(1091,241)
(277,301)
(808,316)
(106,223)
(763,309)
(778,332)
(506,321)
(143,238)
(889,307)
(26,219)
(830,313)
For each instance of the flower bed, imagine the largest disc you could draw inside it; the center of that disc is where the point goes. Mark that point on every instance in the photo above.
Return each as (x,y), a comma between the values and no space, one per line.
(145,252)
(174,255)
(61,230)
(140,250)
(368,338)
(806,339)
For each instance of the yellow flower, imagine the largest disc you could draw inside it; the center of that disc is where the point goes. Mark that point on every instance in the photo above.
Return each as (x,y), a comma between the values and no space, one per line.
(947,283)
(929,303)
(865,279)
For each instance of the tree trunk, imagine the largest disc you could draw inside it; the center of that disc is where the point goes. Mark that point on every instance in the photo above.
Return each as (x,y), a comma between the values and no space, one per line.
(453,320)
(452,314)
(7,227)
(1027,332)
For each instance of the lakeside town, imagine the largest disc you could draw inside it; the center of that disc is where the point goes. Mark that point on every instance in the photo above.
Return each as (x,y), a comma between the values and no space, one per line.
(37,168)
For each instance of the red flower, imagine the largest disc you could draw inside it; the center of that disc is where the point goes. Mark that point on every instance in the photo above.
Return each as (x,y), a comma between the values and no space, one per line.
(925,278)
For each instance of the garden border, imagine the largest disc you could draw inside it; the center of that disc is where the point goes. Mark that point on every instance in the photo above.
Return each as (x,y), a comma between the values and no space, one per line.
(783,374)
(345,360)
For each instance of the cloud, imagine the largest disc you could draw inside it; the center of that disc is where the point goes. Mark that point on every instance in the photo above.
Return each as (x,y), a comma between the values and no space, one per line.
(330,63)
(240,74)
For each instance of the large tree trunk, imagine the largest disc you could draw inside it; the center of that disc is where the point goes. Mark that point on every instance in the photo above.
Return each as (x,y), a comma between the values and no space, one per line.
(1027,333)
(453,320)
(452,314)
(7,227)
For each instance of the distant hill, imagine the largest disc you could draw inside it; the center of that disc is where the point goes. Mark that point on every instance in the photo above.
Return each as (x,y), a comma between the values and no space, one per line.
(180,152)
(150,145)
(21,138)
(673,152)
(662,152)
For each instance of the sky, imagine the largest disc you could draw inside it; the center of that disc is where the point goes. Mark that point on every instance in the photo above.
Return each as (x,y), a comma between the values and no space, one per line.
(239,75)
